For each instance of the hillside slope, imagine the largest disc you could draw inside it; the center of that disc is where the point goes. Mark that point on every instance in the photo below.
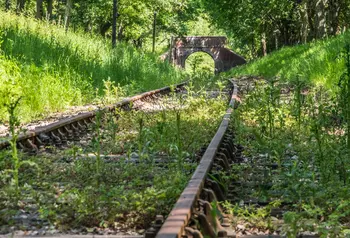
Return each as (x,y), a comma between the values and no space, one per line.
(318,63)
(52,69)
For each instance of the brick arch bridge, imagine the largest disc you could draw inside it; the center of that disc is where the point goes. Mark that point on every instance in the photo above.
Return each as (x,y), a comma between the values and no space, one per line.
(183,47)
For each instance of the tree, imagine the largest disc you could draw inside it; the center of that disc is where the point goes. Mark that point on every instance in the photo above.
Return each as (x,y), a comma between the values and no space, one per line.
(272,23)
(39,9)
(135,18)
(67,14)
(115,15)
(49,8)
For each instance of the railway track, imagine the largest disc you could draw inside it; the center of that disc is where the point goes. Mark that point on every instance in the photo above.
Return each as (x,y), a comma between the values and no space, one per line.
(192,215)
(197,212)
(72,128)
(75,127)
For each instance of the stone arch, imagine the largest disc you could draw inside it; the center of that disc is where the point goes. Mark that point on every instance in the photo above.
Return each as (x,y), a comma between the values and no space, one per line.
(210,54)
(183,47)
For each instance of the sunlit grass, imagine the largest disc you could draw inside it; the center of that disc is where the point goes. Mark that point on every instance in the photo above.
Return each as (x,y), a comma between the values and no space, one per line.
(317,62)
(53,69)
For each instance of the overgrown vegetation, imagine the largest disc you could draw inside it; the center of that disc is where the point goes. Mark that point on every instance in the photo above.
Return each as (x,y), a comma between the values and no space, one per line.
(317,63)
(133,168)
(53,69)
(302,130)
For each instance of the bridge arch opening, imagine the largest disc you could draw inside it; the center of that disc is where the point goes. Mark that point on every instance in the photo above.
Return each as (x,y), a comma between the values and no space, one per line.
(200,62)
(182,47)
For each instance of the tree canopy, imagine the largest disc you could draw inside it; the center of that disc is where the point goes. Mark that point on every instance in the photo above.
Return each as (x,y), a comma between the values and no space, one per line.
(255,27)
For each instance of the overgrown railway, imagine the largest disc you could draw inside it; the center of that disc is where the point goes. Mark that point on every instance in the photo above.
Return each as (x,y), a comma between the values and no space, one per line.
(197,213)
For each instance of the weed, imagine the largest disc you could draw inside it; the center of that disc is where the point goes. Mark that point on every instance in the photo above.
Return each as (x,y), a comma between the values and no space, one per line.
(14,122)
(96,144)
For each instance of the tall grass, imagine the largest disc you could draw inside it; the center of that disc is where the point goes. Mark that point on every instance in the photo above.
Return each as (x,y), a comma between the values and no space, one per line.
(317,62)
(53,69)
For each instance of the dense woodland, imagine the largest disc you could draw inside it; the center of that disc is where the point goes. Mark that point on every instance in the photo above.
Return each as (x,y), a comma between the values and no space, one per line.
(254,27)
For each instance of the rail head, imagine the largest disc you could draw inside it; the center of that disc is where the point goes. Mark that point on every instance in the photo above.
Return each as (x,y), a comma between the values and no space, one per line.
(174,225)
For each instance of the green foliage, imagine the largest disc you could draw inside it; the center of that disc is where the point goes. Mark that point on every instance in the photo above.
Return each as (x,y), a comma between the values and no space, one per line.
(308,144)
(260,27)
(316,63)
(246,21)
(200,63)
(251,216)
(134,20)
(11,103)
(53,69)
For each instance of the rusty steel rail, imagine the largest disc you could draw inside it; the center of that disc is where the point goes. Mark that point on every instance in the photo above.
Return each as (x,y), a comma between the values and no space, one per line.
(195,201)
(65,128)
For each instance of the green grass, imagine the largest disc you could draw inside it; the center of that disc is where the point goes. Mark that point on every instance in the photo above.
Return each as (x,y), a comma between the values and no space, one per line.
(64,190)
(305,135)
(53,69)
(316,63)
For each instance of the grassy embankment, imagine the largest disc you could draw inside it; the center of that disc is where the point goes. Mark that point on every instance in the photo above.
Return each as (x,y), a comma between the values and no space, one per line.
(317,63)
(306,133)
(51,69)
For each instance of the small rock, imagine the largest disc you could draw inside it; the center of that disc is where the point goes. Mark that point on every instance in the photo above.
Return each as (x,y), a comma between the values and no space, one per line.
(308,233)
(20,233)
(75,231)
(53,231)
(241,227)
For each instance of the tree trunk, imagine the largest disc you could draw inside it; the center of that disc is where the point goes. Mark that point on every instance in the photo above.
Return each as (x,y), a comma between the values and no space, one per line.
(20,6)
(49,9)
(320,18)
(304,21)
(276,35)
(67,14)
(39,9)
(311,19)
(114,23)
(7,5)
(334,8)
(263,44)
(120,32)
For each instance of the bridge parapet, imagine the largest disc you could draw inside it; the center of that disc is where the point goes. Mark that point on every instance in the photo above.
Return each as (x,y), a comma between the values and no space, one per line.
(200,42)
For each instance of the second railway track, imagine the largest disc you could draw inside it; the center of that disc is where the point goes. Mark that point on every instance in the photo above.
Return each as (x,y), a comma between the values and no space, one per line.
(70,127)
